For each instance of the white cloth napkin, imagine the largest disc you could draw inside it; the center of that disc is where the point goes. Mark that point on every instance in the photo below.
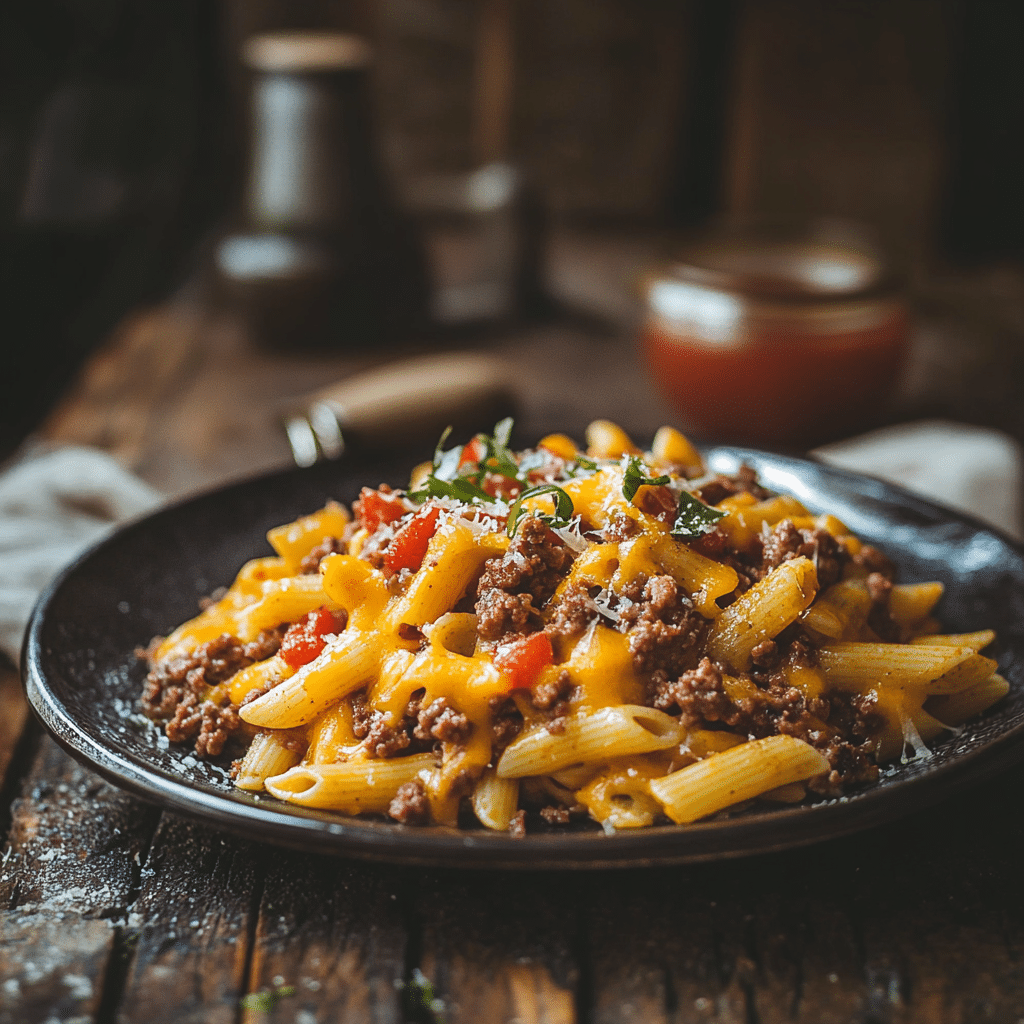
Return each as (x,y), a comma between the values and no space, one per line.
(52,507)
(970,469)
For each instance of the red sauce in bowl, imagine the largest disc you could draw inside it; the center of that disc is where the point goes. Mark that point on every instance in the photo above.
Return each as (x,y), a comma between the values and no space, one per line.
(774,343)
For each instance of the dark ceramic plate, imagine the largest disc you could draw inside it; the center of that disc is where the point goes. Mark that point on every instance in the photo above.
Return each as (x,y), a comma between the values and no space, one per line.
(83,678)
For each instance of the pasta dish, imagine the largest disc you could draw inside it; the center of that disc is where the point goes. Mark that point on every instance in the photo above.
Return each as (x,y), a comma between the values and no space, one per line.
(564,633)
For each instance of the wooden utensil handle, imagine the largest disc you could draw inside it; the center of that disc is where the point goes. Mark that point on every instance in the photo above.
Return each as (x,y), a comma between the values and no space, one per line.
(414,400)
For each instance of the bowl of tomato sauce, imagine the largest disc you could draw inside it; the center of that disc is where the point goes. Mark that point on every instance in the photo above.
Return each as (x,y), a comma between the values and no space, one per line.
(779,341)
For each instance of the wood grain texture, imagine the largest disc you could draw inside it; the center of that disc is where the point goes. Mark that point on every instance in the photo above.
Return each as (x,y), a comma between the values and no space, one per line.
(14,717)
(500,947)
(188,931)
(52,966)
(75,844)
(331,936)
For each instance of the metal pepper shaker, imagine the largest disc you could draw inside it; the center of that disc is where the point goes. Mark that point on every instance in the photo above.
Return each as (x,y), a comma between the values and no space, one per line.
(324,258)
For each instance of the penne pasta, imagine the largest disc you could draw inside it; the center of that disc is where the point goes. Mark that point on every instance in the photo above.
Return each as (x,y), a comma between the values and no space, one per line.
(739,773)
(495,800)
(553,633)
(341,669)
(268,755)
(355,787)
(763,612)
(609,732)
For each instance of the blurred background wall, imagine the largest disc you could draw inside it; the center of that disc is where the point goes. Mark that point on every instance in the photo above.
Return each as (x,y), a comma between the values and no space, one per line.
(123,132)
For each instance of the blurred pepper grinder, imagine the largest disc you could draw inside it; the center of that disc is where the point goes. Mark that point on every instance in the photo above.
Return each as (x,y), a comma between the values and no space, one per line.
(325,259)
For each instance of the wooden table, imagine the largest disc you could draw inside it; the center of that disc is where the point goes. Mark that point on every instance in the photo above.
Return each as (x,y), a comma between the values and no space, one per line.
(111,910)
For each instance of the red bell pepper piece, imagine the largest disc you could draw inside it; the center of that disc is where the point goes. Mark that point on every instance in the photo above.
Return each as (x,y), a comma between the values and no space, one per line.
(306,638)
(472,453)
(374,508)
(522,660)
(409,545)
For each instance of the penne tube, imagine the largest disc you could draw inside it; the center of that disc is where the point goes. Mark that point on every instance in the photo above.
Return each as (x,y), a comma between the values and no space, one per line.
(561,444)
(910,603)
(957,708)
(355,787)
(620,797)
(495,800)
(454,558)
(332,738)
(860,667)
(354,585)
(607,440)
(344,666)
(258,676)
(283,600)
(841,612)
(737,774)
(268,755)
(704,579)
(977,641)
(293,541)
(746,520)
(763,612)
(594,736)
(672,449)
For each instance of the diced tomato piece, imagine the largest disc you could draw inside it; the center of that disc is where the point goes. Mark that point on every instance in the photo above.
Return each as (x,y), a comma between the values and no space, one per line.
(499,486)
(657,501)
(374,508)
(306,638)
(409,546)
(522,660)
(472,453)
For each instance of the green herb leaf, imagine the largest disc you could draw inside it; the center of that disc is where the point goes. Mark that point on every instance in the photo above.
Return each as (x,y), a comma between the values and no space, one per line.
(635,477)
(439,447)
(694,518)
(461,489)
(581,462)
(503,432)
(264,1002)
(564,509)
(421,999)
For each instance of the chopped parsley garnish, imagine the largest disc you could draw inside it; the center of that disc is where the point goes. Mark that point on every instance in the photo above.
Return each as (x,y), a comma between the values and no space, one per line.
(693,517)
(453,476)
(634,478)
(563,511)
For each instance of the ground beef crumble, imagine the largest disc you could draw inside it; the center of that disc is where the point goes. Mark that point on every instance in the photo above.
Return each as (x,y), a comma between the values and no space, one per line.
(506,723)
(572,612)
(699,697)
(515,586)
(661,624)
(410,805)
(441,722)
(786,542)
(554,698)
(176,690)
(328,546)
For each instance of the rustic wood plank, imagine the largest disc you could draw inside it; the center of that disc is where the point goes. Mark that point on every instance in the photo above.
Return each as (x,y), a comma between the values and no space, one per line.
(668,945)
(13,720)
(943,913)
(68,873)
(190,927)
(331,942)
(75,843)
(52,966)
(499,947)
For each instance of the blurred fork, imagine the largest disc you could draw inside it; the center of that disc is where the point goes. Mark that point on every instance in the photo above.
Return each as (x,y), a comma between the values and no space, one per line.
(399,405)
